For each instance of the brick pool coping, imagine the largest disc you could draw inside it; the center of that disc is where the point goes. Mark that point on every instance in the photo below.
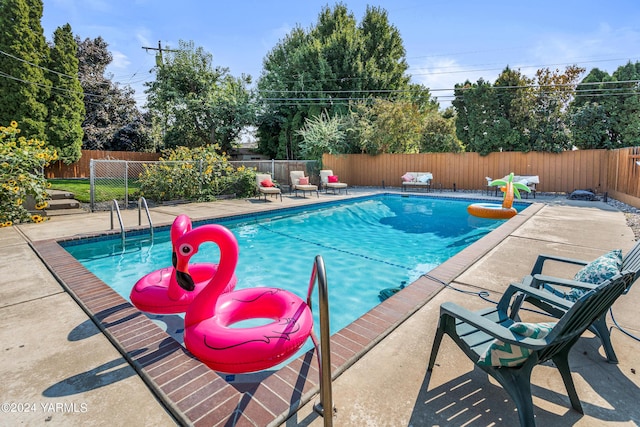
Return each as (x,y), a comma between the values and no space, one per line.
(195,394)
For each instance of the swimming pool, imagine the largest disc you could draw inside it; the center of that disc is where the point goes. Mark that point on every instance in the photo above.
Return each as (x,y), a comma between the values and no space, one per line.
(367,245)
(195,394)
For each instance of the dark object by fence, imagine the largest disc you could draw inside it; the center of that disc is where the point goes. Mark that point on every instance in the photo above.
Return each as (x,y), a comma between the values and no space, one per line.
(588,195)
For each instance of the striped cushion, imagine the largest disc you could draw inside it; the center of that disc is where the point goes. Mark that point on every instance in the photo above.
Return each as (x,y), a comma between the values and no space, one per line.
(501,354)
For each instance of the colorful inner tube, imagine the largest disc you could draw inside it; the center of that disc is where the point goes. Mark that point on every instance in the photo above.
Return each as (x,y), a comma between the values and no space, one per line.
(491,211)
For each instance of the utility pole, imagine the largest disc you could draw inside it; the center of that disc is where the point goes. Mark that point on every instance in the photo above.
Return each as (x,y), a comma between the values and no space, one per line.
(159,54)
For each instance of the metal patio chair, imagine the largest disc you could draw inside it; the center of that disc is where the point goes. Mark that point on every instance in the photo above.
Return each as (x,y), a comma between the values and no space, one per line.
(479,333)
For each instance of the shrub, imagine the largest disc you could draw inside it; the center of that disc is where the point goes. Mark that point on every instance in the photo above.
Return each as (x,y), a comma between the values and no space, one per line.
(21,163)
(200,174)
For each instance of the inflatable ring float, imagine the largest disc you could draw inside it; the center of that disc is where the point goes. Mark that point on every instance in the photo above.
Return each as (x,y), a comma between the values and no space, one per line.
(158,292)
(211,332)
(491,211)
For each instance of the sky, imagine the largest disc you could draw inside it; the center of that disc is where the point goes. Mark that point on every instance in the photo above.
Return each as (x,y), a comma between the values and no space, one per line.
(446,42)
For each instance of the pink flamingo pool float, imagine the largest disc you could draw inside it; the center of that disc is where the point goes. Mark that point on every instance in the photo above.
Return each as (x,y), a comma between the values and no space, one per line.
(209,334)
(158,292)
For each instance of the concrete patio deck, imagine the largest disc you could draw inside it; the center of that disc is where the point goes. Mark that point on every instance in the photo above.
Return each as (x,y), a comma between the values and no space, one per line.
(58,369)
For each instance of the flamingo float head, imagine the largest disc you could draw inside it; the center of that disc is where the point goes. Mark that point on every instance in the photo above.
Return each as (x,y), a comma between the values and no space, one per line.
(188,245)
(181,225)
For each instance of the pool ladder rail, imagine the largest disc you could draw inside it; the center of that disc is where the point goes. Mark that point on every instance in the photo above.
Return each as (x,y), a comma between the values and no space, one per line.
(142,202)
(323,349)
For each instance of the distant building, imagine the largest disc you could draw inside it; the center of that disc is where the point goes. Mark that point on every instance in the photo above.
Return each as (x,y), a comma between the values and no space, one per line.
(245,147)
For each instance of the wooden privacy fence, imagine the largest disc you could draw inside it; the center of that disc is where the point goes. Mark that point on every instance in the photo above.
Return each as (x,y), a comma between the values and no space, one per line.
(80,169)
(559,172)
(612,171)
(624,175)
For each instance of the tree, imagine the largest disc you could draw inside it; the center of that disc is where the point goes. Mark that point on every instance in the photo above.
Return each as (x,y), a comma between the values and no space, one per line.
(383,53)
(133,136)
(590,127)
(516,113)
(24,87)
(65,105)
(333,64)
(108,107)
(384,126)
(624,105)
(323,134)
(610,106)
(550,130)
(198,104)
(439,134)
(480,123)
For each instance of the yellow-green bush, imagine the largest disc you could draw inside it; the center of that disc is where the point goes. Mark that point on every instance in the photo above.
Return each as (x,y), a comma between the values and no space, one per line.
(199,173)
(21,175)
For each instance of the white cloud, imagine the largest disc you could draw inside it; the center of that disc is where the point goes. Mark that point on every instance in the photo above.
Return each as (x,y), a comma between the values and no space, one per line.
(120,60)
(605,47)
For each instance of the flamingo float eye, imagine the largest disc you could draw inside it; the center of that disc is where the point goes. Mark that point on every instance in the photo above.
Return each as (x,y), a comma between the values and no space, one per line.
(185,249)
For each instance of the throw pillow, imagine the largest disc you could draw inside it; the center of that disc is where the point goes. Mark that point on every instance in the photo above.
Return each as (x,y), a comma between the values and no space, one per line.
(407,177)
(333,178)
(597,271)
(304,180)
(501,354)
(266,183)
(423,178)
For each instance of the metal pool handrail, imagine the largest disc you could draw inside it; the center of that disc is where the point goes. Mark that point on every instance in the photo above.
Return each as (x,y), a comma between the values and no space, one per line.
(143,202)
(318,274)
(117,208)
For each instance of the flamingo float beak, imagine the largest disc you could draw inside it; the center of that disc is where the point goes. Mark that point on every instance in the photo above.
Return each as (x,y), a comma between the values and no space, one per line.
(185,280)
(183,277)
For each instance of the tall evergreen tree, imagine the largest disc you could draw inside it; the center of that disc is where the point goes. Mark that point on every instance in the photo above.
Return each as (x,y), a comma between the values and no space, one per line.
(66,106)
(24,88)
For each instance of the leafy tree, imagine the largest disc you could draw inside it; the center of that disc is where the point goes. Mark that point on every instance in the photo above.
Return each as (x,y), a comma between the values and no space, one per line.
(24,87)
(516,99)
(108,107)
(134,136)
(334,63)
(384,126)
(590,127)
(549,131)
(517,113)
(439,134)
(323,134)
(592,88)
(198,104)
(383,53)
(611,104)
(65,105)
(480,122)
(624,105)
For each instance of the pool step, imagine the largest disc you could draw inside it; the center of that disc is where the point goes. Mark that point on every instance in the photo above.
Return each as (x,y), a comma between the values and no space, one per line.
(62,203)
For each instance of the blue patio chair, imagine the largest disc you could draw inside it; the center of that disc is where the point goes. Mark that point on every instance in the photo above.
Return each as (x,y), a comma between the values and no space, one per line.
(509,350)
(630,262)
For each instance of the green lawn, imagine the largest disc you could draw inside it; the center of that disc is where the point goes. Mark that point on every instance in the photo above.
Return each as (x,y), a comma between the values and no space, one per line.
(104,191)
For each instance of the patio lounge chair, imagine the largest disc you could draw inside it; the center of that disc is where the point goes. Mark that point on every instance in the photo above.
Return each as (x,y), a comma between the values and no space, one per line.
(329,180)
(299,182)
(508,350)
(630,262)
(266,186)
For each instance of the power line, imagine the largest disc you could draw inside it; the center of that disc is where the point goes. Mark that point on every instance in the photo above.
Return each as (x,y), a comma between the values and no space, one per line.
(36,65)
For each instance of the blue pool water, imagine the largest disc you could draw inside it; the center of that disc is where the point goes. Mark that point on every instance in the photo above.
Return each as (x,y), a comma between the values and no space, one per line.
(367,245)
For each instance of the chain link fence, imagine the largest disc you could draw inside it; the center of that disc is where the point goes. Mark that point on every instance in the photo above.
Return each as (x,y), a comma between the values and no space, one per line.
(120,179)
